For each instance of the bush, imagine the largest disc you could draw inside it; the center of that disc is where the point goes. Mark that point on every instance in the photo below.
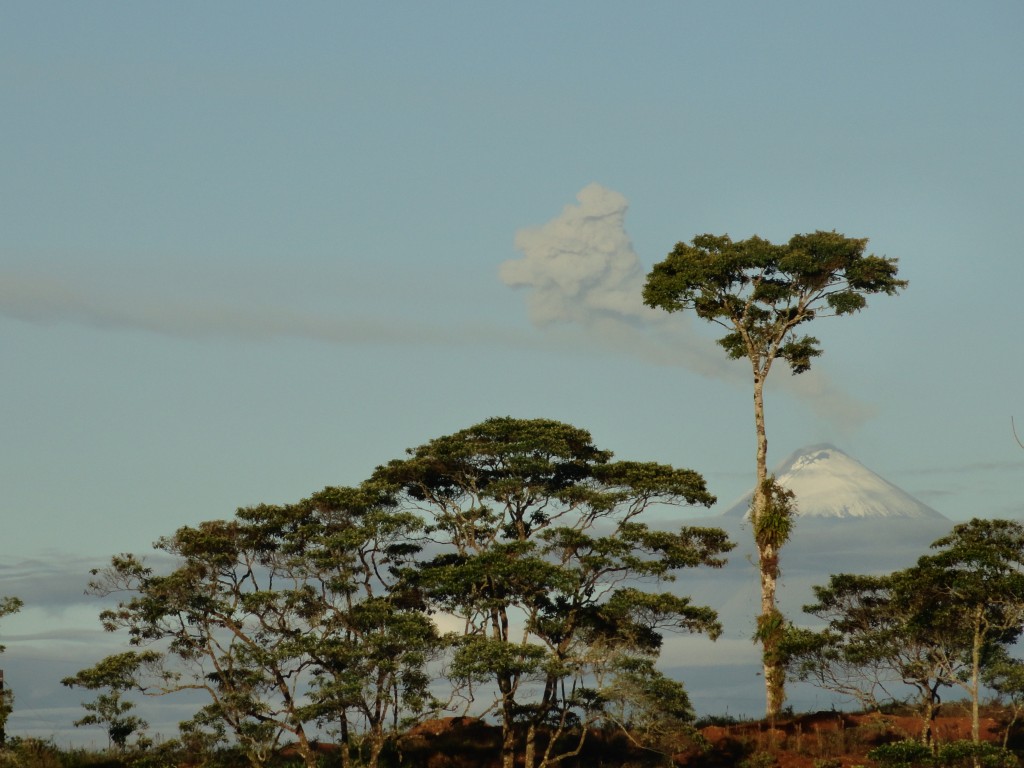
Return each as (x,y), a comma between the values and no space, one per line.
(722,721)
(759,760)
(902,754)
(956,754)
(966,754)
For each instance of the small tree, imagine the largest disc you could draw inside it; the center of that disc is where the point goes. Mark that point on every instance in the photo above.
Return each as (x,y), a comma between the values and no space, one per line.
(882,632)
(8,605)
(653,710)
(932,626)
(977,579)
(761,293)
(1005,675)
(537,536)
(116,675)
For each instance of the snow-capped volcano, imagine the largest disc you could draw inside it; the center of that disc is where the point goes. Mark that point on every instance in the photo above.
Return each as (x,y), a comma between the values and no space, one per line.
(830,484)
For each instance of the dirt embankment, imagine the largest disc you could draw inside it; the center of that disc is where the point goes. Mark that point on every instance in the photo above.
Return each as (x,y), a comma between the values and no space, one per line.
(805,741)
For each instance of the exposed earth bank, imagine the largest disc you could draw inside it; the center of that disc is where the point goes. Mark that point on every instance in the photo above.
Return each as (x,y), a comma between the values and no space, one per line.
(804,741)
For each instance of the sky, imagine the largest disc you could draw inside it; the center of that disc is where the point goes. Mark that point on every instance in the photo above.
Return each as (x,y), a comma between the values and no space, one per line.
(249,250)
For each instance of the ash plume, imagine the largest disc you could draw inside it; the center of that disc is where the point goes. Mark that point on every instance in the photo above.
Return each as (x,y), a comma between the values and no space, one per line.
(580,271)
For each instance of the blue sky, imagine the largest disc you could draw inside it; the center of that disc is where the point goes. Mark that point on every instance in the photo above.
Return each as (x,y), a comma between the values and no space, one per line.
(250,249)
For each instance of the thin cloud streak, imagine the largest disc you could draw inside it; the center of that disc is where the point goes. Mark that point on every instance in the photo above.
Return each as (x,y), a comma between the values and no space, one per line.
(584,290)
(49,301)
(45,300)
(967,469)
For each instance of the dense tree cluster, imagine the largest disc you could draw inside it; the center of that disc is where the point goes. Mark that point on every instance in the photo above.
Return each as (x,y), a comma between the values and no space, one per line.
(507,571)
(325,614)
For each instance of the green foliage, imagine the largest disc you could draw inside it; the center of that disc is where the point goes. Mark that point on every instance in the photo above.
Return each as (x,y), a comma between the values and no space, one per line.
(36,753)
(761,292)
(285,616)
(535,522)
(317,614)
(956,754)
(8,605)
(654,709)
(759,760)
(773,527)
(111,712)
(1005,675)
(902,754)
(938,624)
(115,674)
(967,754)
(6,706)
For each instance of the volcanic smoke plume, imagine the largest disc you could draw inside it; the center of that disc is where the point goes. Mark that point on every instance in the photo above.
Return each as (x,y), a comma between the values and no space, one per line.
(581,273)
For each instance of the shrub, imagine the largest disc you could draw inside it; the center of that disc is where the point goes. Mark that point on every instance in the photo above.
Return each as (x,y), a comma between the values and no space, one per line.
(966,754)
(902,754)
(956,754)
(759,760)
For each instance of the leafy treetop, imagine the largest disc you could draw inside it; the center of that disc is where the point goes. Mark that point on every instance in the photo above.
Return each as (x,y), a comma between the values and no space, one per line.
(761,291)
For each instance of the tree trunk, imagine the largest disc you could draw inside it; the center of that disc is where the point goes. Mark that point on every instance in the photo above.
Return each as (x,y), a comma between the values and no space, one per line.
(530,750)
(346,757)
(508,736)
(768,564)
(975,675)
(309,757)
(376,746)
(927,716)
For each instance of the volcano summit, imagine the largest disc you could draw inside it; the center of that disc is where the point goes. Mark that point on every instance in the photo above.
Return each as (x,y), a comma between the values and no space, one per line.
(830,484)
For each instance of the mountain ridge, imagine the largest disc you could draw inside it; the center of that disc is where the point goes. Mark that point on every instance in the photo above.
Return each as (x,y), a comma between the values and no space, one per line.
(830,484)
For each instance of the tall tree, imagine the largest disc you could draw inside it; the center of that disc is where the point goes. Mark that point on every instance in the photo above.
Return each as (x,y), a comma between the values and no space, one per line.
(223,625)
(761,293)
(541,556)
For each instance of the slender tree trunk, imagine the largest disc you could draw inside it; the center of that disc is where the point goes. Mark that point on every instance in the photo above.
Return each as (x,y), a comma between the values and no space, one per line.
(346,757)
(309,757)
(376,746)
(930,703)
(975,675)
(530,751)
(768,564)
(926,723)
(508,736)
